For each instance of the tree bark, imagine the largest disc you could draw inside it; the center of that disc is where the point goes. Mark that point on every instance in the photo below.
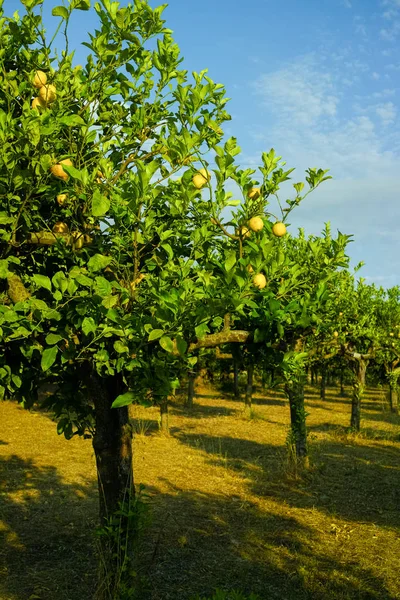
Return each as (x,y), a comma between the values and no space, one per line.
(393,399)
(360,369)
(236,390)
(112,444)
(295,393)
(342,392)
(249,387)
(164,421)
(322,391)
(190,395)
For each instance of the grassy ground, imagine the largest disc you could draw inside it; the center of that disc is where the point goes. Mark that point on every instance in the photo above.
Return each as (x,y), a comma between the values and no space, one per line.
(227,511)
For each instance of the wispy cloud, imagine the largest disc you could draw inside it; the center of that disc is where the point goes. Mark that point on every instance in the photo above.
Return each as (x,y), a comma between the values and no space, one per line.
(387,112)
(315,121)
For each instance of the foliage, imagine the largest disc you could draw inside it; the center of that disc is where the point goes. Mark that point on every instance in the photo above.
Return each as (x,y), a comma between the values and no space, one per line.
(143,264)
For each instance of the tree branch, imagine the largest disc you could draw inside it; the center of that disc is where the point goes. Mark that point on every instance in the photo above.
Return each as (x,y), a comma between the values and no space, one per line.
(226,336)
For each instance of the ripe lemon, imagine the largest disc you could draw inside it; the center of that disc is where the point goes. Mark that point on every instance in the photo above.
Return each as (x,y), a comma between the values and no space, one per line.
(39,79)
(250,269)
(201,178)
(256,223)
(259,281)
(58,171)
(38,103)
(244,232)
(48,93)
(279,229)
(60,227)
(254,193)
(78,240)
(391,334)
(335,334)
(62,199)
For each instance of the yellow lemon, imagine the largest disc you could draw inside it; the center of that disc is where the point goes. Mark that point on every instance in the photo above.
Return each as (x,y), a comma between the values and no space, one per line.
(260,281)
(39,79)
(256,223)
(58,171)
(279,229)
(254,193)
(48,93)
(38,103)
(201,178)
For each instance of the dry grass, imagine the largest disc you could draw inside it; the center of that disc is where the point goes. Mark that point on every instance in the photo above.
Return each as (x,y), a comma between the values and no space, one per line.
(227,512)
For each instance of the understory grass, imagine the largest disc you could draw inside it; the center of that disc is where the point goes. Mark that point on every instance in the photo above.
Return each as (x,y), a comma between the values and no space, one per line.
(227,510)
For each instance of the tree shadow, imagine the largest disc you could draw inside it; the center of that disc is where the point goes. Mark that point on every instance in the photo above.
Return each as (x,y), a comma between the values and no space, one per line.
(203,540)
(350,481)
(46,537)
(345,434)
(200,411)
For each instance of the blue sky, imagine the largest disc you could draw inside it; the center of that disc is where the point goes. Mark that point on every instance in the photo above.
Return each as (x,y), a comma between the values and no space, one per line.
(318,80)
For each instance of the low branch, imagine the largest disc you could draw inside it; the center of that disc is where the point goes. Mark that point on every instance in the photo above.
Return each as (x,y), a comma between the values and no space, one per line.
(226,336)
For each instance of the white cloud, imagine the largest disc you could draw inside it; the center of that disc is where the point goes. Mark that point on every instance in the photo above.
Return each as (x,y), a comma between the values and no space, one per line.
(314,122)
(347,3)
(387,112)
(298,93)
(390,34)
(375,75)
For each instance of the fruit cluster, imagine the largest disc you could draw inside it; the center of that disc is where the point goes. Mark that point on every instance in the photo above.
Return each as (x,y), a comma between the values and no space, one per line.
(47,92)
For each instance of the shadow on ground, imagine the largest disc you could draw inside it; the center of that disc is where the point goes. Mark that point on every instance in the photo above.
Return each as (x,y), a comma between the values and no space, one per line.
(350,481)
(46,533)
(207,540)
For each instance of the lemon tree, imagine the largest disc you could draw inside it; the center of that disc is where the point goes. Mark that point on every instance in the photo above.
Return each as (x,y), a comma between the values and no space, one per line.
(116,263)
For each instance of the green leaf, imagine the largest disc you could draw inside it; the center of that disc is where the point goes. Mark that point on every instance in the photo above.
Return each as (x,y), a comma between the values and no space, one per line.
(230,261)
(53,338)
(123,400)
(42,281)
(181,344)
(81,4)
(75,173)
(110,301)
(103,287)
(98,262)
(120,347)
(155,334)
(72,120)
(84,280)
(89,325)
(60,11)
(201,330)
(48,357)
(5,219)
(100,204)
(167,344)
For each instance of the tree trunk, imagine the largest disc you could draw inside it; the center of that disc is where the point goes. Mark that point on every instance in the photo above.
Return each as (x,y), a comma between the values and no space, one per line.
(164,424)
(295,393)
(249,386)
(112,444)
(312,376)
(342,392)
(236,377)
(360,369)
(322,391)
(329,378)
(393,398)
(190,395)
